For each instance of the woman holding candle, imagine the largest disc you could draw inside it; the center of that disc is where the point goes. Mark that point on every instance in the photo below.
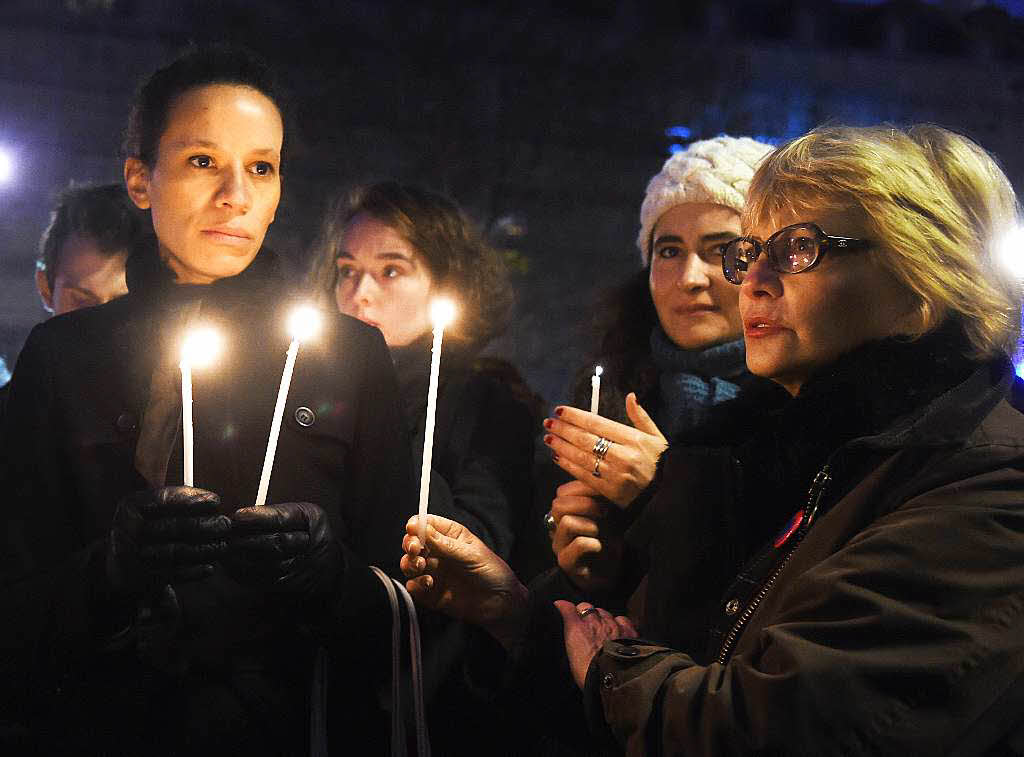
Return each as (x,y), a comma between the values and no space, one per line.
(671,349)
(884,615)
(148,618)
(386,251)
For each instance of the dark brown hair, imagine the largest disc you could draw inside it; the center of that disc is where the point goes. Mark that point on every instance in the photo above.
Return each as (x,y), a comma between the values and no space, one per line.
(459,259)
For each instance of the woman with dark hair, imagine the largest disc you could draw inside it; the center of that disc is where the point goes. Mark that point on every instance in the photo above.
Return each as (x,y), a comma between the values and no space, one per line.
(671,348)
(143,617)
(384,253)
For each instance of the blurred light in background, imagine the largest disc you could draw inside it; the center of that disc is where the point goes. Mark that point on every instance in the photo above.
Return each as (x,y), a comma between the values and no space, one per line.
(1009,252)
(5,375)
(6,165)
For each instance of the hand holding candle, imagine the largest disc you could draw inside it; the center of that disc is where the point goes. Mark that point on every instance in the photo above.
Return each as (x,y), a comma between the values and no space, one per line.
(303,323)
(199,349)
(595,389)
(442,313)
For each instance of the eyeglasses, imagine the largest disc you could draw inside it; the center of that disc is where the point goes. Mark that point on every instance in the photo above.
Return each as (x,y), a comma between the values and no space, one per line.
(793,249)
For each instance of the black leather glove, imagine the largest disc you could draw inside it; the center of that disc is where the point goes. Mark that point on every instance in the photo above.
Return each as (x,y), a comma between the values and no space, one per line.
(164,536)
(285,549)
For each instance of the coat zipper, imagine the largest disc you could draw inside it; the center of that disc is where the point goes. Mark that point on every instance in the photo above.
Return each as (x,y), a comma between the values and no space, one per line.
(814,495)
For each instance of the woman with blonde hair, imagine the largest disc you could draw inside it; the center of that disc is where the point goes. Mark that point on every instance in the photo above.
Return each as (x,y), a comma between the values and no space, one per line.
(884,615)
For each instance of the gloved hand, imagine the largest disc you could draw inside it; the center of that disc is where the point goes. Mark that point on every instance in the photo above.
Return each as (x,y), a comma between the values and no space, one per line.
(163,536)
(285,549)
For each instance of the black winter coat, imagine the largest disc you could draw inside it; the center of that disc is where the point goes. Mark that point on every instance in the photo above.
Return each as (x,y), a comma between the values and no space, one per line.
(232,673)
(885,615)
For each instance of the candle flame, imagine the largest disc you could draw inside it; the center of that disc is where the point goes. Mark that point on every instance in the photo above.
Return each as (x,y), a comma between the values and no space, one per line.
(201,347)
(304,322)
(598,371)
(442,312)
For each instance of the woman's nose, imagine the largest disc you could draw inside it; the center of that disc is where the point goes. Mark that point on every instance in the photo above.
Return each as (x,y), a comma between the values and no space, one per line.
(366,288)
(235,191)
(761,280)
(696,274)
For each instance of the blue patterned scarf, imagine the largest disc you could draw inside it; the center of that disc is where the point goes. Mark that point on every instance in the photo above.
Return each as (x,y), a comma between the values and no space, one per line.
(693,381)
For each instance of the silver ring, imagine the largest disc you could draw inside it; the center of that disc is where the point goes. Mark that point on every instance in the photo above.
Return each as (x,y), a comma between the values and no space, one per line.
(549,521)
(601,447)
(597,466)
(585,612)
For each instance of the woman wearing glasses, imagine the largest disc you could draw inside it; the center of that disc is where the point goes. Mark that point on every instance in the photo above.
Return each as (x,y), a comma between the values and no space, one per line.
(884,616)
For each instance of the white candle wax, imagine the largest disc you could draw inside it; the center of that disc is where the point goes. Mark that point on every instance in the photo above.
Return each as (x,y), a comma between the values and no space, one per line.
(428,432)
(275,424)
(442,311)
(186,422)
(198,349)
(595,389)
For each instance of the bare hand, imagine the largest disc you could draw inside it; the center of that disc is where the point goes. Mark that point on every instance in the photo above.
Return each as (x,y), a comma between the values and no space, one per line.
(587,628)
(587,549)
(460,576)
(629,464)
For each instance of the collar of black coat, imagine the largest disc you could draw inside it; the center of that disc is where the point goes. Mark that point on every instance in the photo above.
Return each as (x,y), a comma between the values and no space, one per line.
(885,394)
(147,276)
(898,392)
(412,367)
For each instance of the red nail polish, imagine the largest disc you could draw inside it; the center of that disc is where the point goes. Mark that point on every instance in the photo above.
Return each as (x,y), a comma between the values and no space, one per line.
(548,423)
(548,438)
(559,411)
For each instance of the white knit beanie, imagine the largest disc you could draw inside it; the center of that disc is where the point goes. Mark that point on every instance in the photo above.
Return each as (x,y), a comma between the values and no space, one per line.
(712,170)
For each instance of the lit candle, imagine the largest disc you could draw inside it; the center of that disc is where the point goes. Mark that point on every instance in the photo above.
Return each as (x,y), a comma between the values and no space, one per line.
(303,323)
(595,389)
(198,350)
(442,312)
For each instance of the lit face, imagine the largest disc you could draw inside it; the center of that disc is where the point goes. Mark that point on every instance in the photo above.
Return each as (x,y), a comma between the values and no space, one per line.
(696,306)
(383,281)
(796,324)
(85,276)
(215,184)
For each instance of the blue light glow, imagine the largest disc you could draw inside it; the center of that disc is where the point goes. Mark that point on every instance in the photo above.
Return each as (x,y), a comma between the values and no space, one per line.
(674,148)
(5,375)
(682,132)
(6,165)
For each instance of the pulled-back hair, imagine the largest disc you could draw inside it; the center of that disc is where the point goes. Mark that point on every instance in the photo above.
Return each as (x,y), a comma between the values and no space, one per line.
(460,261)
(937,206)
(196,68)
(105,214)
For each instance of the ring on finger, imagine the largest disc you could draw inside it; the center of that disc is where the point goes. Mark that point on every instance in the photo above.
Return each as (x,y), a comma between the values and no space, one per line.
(549,521)
(597,467)
(586,611)
(601,447)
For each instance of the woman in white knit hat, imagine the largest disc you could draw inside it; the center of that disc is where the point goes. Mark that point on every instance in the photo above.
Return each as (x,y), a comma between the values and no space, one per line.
(672,341)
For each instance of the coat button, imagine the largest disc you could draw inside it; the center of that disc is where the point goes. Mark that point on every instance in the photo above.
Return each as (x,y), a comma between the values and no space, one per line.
(732,607)
(125,422)
(305,417)
(607,680)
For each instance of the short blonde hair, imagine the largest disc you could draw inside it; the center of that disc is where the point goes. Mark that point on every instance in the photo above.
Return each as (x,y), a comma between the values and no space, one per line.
(936,204)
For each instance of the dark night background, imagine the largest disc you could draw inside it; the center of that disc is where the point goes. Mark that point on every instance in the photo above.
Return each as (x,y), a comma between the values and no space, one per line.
(544,121)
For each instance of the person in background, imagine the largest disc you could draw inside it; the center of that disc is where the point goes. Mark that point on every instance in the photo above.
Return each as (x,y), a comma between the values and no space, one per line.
(385,252)
(146,617)
(671,349)
(83,251)
(884,615)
